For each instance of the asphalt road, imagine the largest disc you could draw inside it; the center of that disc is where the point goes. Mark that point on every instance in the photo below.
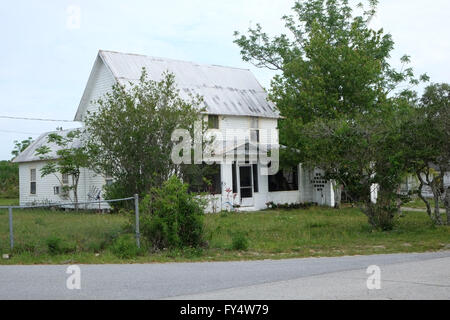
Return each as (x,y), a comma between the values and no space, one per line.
(403,276)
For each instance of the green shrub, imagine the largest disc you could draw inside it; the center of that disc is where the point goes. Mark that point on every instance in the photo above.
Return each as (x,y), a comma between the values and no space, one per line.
(239,241)
(25,248)
(117,190)
(172,217)
(56,246)
(9,179)
(124,247)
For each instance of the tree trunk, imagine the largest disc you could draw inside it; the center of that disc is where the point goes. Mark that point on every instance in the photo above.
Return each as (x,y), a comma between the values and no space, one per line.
(75,190)
(436,198)
(447,204)
(427,204)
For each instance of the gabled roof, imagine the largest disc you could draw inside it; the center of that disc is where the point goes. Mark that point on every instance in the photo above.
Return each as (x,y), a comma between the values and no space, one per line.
(225,90)
(29,154)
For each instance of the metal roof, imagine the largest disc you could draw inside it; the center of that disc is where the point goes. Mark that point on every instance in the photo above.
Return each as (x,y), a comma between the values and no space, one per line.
(225,90)
(29,154)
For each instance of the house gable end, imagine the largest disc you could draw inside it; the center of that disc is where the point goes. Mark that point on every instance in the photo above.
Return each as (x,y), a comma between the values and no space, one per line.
(100,81)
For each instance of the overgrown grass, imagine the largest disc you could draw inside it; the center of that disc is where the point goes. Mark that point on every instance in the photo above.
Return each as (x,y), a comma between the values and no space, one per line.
(38,233)
(274,234)
(9,202)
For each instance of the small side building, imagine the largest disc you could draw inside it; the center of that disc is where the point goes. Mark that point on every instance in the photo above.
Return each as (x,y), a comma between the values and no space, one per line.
(35,189)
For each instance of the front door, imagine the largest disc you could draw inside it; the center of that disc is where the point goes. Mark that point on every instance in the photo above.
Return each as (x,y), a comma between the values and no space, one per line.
(246,185)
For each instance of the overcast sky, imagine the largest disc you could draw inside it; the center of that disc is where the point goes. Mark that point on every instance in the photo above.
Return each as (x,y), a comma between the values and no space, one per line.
(47,52)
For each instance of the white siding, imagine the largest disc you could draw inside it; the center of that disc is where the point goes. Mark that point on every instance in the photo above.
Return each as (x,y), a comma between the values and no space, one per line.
(44,185)
(100,82)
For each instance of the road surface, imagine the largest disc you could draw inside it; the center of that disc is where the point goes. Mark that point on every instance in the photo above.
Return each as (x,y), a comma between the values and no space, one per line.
(402,276)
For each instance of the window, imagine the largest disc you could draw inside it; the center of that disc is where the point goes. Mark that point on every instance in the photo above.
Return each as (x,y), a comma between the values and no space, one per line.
(284,180)
(204,178)
(32,181)
(56,190)
(213,121)
(65,178)
(109,181)
(254,129)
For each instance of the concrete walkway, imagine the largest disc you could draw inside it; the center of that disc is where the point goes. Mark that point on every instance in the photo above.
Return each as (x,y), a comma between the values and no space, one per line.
(418,209)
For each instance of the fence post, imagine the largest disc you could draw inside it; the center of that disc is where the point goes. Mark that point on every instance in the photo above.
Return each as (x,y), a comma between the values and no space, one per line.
(136,211)
(11,236)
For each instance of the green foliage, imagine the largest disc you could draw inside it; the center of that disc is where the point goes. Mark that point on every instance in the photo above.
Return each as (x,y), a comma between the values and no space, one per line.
(172,217)
(362,154)
(425,138)
(56,245)
(20,146)
(239,241)
(9,179)
(130,133)
(331,63)
(383,217)
(339,96)
(318,231)
(124,247)
(71,154)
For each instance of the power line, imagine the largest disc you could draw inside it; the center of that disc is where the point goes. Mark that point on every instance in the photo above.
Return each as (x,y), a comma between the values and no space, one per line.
(35,119)
(19,132)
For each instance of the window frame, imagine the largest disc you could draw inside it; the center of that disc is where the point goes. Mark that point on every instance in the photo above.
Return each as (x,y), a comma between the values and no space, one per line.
(33,181)
(63,179)
(108,180)
(254,129)
(212,123)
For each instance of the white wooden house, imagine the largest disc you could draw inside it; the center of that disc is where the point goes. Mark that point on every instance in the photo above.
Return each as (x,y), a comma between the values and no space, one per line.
(233,99)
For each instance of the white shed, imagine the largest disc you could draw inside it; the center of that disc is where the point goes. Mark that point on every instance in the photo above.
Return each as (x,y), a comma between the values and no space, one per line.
(35,189)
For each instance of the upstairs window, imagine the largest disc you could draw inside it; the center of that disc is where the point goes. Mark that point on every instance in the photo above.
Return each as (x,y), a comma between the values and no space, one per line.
(254,129)
(109,180)
(213,121)
(32,181)
(65,178)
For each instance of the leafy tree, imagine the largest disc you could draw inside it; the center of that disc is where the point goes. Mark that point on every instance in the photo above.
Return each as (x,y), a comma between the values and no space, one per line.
(365,156)
(129,136)
(333,74)
(9,179)
(71,156)
(20,146)
(426,140)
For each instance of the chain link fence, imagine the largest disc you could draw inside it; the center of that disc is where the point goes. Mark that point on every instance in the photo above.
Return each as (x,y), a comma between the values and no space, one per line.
(30,218)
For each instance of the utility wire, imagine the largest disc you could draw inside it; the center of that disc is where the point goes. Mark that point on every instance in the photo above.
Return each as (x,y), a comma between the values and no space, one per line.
(35,119)
(20,132)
